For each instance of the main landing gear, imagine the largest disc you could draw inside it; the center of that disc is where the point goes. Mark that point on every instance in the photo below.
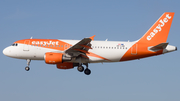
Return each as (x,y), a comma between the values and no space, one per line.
(28,63)
(80,68)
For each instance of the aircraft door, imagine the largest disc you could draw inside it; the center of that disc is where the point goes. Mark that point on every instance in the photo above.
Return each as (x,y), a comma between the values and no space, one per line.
(26,45)
(134,49)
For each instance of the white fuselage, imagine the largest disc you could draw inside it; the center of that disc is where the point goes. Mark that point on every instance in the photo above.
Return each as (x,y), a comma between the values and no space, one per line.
(112,51)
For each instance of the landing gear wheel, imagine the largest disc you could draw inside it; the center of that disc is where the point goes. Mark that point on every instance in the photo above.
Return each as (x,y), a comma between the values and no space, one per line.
(87,71)
(27,68)
(80,68)
(28,63)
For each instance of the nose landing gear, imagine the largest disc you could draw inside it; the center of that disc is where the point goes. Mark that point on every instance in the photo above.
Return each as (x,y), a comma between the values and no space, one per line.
(28,63)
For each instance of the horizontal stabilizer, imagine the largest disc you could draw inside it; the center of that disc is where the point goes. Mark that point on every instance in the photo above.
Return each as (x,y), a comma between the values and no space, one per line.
(159,47)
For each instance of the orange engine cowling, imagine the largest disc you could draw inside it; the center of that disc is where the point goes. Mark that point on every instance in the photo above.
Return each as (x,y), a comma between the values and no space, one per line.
(55,58)
(65,65)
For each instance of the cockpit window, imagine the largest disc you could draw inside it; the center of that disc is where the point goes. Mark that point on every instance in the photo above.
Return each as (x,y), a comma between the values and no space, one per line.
(14,44)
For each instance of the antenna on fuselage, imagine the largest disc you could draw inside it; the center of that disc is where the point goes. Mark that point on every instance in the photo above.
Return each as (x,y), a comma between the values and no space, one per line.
(106,40)
(31,37)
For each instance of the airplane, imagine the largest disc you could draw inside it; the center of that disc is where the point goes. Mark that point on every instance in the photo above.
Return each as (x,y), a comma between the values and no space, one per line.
(67,54)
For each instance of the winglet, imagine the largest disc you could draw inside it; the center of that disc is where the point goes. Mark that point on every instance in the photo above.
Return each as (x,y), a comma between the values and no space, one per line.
(92,37)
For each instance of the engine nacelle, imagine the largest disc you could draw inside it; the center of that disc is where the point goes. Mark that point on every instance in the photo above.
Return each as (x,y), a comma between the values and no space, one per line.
(65,65)
(55,58)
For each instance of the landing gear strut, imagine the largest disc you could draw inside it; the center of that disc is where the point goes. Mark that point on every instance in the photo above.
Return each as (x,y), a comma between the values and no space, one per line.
(28,63)
(87,71)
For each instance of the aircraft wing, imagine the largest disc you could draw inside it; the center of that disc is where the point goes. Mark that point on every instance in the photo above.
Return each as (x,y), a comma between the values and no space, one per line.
(80,48)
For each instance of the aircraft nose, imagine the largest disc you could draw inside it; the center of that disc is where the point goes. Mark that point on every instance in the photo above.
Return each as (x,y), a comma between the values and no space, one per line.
(5,51)
(10,52)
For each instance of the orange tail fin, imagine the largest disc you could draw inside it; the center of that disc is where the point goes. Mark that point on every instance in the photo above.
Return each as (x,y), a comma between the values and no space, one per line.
(158,33)
(155,38)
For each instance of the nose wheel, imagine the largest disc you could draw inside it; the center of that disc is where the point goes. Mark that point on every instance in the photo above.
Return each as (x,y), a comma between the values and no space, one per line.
(27,68)
(28,63)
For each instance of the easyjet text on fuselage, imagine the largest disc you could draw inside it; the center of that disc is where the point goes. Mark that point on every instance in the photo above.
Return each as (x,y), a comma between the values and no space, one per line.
(45,43)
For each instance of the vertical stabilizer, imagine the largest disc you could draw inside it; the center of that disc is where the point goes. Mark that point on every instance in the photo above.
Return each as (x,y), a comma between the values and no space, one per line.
(158,33)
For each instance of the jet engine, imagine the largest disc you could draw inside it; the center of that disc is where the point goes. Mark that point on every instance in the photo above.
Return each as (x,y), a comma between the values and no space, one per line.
(55,58)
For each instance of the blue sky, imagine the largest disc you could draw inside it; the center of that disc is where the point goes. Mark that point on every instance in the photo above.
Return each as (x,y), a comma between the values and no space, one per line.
(150,79)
